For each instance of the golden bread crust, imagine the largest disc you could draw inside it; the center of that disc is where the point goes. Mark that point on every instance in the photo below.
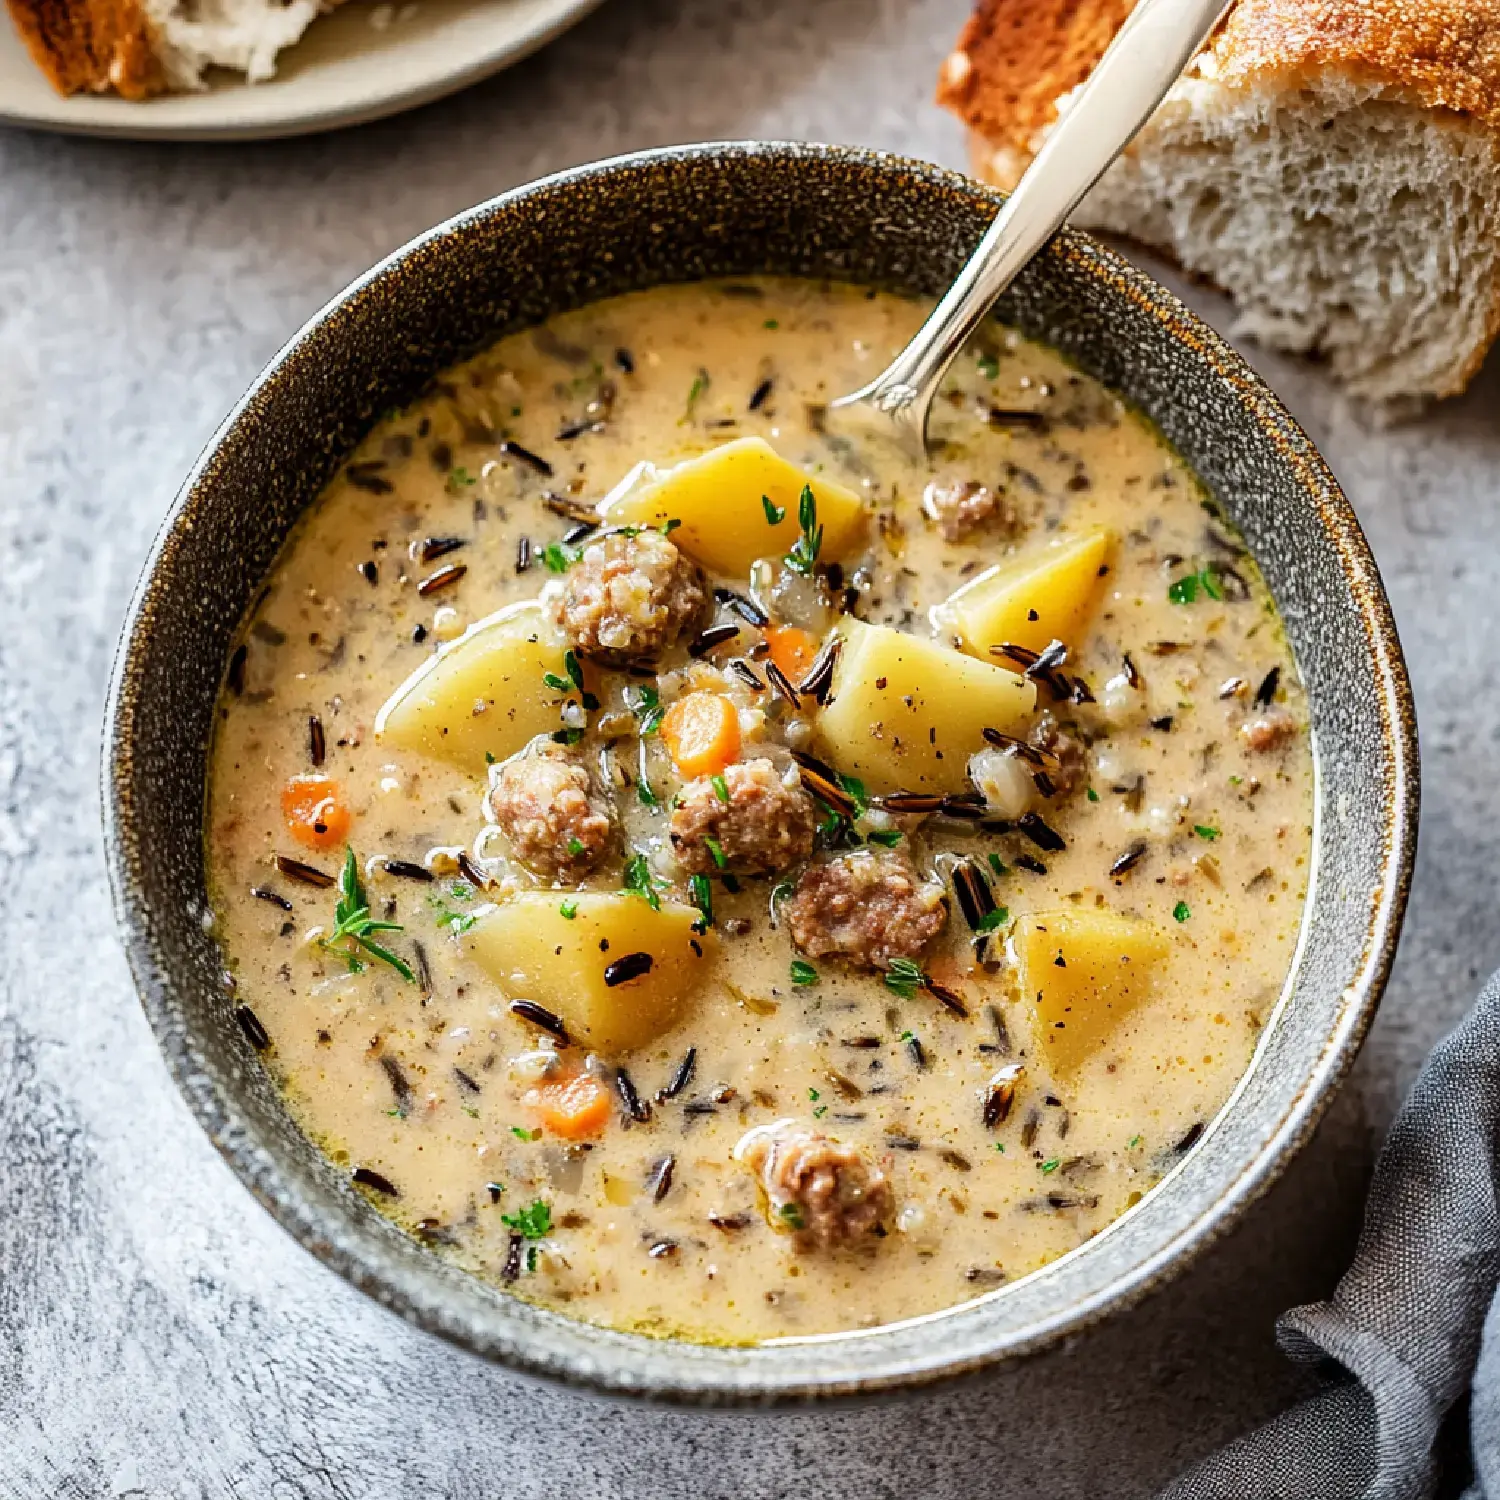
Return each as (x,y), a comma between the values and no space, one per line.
(91,45)
(1444,54)
(1015,58)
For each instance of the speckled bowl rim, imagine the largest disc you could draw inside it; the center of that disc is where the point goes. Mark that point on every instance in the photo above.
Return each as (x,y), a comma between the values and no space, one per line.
(540,1343)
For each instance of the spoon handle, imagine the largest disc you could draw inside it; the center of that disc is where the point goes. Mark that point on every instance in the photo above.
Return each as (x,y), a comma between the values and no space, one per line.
(1146,57)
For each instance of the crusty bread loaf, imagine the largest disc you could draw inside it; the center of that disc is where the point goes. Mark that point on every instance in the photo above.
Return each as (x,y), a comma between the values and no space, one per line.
(137,48)
(1332,164)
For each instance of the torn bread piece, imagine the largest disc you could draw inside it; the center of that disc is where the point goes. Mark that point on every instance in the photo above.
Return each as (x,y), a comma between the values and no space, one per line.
(139,48)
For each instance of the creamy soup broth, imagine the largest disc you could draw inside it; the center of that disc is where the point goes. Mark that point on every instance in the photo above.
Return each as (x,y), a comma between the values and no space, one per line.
(1181,797)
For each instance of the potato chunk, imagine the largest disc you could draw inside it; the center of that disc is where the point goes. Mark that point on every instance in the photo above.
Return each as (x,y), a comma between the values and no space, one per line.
(1033,599)
(718,498)
(906,714)
(1081,974)
(483,693)
(535,952)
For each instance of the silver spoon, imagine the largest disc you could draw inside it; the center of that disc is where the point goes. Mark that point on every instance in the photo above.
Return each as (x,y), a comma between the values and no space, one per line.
(1151,49)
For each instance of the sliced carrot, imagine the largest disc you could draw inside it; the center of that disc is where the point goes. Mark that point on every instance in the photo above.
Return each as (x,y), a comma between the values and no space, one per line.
(574,1106)
(793,649)
(702,733)
(315,812)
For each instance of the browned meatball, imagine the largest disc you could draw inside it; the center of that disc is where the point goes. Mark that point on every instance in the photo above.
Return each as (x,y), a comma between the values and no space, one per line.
(763,827)
(556,823)
(1068,764)
(869,906)
(630,596)
(1270,730)
(961,506)
(828,1194)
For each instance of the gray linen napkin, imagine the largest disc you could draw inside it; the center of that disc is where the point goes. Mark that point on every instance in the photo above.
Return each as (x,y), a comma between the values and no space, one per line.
(1413,1322)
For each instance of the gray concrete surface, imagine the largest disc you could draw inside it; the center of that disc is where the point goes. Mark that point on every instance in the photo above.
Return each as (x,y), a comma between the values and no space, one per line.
(159,1335)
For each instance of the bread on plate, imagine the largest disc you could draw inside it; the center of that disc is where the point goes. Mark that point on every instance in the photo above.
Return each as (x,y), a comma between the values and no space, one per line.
(1334,165)
(137,48)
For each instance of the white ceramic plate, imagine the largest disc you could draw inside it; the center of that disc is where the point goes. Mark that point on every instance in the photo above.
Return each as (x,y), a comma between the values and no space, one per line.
(347,68)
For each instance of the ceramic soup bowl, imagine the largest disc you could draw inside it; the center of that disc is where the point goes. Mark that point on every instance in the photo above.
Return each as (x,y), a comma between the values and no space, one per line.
(683,214)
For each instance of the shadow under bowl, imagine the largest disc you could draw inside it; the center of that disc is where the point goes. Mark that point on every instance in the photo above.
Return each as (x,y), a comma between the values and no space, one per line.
(683,214)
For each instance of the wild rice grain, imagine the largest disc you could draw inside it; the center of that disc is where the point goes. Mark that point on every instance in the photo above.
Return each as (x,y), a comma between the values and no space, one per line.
(631,966)
(527,457)
(370,1178)
(294,869)
(635,1106)
(543,1019)
(250,1023)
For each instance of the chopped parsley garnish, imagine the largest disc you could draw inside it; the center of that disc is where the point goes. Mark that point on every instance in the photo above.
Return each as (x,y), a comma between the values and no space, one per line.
(489,757)
(469,1110)
(1186,589)
(904,978)
(803,973)
(1182,911)
(567,736)
(575,846)
(460,478)
(716,849)
(998,865)
(1050,1166)
(534,1222)
(856,790)
(353,924)
(992,921)
(1092,795)
(989,366)
(820,1111)
(640,882)
(703,897)
(572,683)
(803,557)
(1205,832)
(834,827)
(1132,1143)
(568,910)
(525,1135)
(559,557)
(1000,1147)
(771,323)
(775,514)
(792,1214)
(695,392)
(645,703)
(814,1095)
(721,787)
(457,922)
(888,837)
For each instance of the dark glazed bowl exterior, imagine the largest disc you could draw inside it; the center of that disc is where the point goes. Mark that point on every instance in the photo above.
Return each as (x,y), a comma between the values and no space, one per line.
(682,214)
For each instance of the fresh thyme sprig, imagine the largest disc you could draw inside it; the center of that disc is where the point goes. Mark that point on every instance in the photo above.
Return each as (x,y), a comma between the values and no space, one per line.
(803,557)
(353,924)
